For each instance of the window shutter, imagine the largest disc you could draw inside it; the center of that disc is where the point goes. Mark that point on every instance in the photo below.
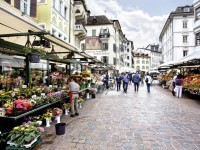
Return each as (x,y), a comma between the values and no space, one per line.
(33,9)
(17,4)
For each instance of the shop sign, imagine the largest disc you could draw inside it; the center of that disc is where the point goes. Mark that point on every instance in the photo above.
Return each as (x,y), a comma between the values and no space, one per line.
(97,52)
(93,43)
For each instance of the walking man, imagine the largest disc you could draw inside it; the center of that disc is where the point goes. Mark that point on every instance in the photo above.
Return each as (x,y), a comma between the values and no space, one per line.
(118,80)
(136,81)
(125,83)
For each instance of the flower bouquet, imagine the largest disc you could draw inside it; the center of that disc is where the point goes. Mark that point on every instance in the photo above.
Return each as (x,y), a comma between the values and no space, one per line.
(66,106)
(80,102)
(47,116)
(57,112)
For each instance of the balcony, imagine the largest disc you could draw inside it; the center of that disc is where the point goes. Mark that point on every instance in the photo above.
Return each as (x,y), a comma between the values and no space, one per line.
(104,35)
(80,31)
(80,11)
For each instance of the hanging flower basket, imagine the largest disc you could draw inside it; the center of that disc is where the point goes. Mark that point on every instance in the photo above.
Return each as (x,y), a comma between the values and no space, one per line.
(34,57)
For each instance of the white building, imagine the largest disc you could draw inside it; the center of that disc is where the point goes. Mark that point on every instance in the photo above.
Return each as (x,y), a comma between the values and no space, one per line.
(196,4)
(177,37)
(155,55)
(106,41)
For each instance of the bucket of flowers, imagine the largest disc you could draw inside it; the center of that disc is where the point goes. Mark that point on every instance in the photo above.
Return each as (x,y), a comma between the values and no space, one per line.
(47,116)
(57,112)
(66,107)
(80,102)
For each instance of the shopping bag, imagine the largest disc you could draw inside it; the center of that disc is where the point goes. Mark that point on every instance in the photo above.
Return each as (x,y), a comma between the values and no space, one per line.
(171,87)
(175,89)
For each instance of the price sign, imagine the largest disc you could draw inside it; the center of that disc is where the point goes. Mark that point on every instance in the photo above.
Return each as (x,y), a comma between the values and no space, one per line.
(24,86)
(33,96)
(42,94)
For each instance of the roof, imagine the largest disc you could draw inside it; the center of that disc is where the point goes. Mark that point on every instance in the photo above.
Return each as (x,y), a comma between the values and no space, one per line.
(98,20)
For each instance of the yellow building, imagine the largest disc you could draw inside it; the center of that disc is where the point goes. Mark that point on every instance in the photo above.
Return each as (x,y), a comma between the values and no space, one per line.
(53,16)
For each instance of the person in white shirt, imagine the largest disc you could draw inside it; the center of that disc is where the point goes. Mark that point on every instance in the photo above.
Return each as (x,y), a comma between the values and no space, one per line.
(148,81)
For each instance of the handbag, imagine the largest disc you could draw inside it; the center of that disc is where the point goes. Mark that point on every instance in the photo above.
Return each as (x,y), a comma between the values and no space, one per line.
(175,89)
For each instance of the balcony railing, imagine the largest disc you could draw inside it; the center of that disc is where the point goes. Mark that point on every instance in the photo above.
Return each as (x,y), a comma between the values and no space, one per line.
(80,30)
(104,35)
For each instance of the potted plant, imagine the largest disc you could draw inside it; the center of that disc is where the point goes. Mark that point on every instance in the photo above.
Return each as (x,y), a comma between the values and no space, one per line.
(57,112)
(66,106)
(34,54)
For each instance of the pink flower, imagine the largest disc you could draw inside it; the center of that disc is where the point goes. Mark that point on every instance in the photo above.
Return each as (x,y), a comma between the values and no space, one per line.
(40,129)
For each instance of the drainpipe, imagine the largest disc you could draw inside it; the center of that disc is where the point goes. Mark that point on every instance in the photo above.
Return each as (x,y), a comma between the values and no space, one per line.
(70,9)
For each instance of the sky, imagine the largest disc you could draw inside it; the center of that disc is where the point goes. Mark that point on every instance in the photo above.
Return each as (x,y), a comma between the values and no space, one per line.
(141,20)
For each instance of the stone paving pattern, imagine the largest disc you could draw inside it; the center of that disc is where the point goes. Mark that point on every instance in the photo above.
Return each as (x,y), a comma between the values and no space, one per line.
(137,121)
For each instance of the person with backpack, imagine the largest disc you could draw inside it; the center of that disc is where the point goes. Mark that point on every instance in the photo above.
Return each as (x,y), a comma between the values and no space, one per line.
(148,81)
(136,81)
(125,83)
(179,85)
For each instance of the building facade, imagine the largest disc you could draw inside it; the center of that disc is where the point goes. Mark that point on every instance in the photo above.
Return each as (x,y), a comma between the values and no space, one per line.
(155,55)
(141,61)
(176,37)
(106,41)
(196,4)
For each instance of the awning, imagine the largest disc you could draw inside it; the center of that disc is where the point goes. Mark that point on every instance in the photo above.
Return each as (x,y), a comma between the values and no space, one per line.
(12,21)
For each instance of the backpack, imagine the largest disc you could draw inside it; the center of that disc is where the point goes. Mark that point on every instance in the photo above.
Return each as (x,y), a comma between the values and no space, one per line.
(178,82)
(146,80)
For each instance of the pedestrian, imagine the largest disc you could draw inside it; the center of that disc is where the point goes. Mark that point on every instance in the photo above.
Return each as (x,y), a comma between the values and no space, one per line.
(125,82)
(74,89)
(173,85)
(142,78)
(179,85)
(118,81)
(148,81)
(136,81)
(130,77)
(106,80)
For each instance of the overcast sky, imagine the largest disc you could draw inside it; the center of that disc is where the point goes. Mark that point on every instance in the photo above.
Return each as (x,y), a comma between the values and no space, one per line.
(141,20)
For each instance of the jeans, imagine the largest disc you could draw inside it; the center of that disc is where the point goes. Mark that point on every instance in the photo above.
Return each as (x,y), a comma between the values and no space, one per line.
(74,103)
(118,86)
(179,91)
(125,86)
(136,86)
(148,87)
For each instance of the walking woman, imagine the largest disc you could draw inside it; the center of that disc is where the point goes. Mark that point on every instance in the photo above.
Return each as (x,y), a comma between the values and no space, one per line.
(118,80)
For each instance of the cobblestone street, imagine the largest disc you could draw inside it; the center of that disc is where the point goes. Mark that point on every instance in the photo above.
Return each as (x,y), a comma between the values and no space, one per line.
(137,121)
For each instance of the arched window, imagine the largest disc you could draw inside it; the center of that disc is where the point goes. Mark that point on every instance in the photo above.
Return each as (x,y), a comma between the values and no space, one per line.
(138,61)
(143,62)
(77,11)
(147,62)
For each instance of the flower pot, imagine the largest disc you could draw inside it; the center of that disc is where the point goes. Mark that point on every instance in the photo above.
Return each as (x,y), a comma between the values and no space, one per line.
(58,119)
(88,95)
(66,112)
(34,58)
(47,122)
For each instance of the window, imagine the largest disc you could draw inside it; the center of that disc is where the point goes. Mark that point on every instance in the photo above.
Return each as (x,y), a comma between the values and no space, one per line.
(198,39)
(114,61)
(127,57)
(25,6)
(138,67)
(114,48)
(105,59)
(93,32)
(147,62)
(186,9)
(185,38)
(185,52)
(53,32)
(60,7)
(143,67)
(184,24)
(60,35)
(82,46)
(197,13)
(105,46)
(128,64)
(54,3)
(127,50)
(41,1)
(65,12)
(147,67)
(138,61)
(143,62)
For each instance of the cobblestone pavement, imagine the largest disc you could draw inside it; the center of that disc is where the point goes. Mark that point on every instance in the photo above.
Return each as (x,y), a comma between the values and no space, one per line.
(137,121)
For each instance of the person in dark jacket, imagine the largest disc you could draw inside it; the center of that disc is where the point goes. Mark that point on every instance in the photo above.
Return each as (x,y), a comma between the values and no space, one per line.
(118,81)
(136,81)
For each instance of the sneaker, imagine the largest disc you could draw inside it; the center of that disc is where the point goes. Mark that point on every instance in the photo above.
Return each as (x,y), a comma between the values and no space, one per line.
(77,114)
(72,115)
